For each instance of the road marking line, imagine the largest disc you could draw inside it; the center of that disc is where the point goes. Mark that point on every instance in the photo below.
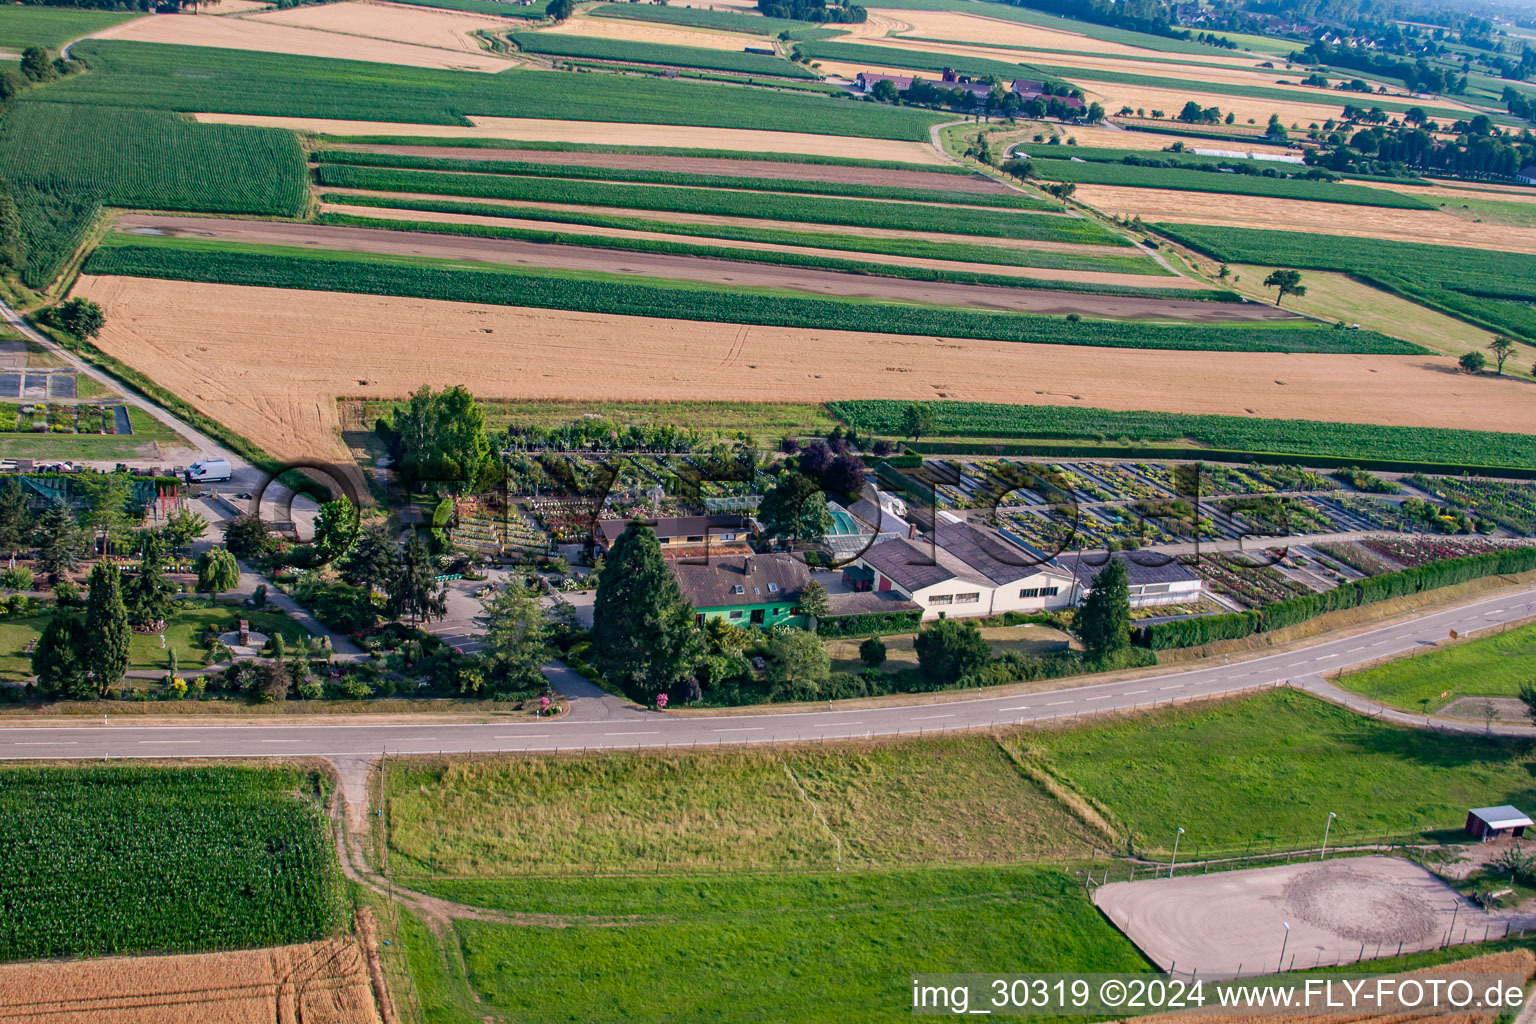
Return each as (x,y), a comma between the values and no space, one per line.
(1324,657)
(653,732)
(170,741)
(744,728)
(1055,702)
(269,741)
(1132,693)
(833,725)
(924,718)
(524,736)
(49,743)
(1016,707)
(1175,686)
(1352,650)
(1378,643)
(1102,696)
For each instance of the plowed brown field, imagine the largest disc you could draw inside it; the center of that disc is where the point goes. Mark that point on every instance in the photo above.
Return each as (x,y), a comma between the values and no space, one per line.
(269,363)
(323,982)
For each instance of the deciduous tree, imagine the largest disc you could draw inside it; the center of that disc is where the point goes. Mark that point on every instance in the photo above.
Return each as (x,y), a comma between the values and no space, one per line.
(1502,348)
(796,509)
(217,572)
(1287,281)
(949,650)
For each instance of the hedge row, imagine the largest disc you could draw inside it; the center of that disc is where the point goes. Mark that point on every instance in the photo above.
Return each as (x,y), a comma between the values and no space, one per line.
(1290,612)
(870,624)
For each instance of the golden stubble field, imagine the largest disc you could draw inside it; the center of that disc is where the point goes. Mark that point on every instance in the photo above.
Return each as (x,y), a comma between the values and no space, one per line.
(270,363)
(1176,207)
(652,32)
(424,26)
(319,981)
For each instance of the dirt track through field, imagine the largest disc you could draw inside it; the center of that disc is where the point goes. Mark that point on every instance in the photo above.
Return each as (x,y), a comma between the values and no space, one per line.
(610,133)
(1434,226)
(1087,277)
(709,165)
(324,982)
(270,362)
(691,268)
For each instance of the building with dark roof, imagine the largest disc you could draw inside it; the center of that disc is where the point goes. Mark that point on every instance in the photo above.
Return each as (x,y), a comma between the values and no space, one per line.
(684,536)
(959,570)
(1154,579)
(745,590)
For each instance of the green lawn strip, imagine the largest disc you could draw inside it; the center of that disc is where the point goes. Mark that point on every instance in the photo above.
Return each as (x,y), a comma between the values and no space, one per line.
(1488,666)
(871,934)
(725,202)
(775,258)
(951,800)
(52,27)
(600,48)
(1181,179)
(219,858)
(1443,277)
(246,82)
(811,948)
(1113,259)
(1206,769)
(1301,438)
(515,168)
(375,274)
(699,17)
(596,147)
(64,162)
(182,633)
(500,8)
(773,419)
(437,989)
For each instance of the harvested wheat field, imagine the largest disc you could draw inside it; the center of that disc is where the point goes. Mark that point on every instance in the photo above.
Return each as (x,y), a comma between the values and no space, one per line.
(1114,96)
(425,26)
(1003,32)
(610,133)
(255,34)
(1516,964)
(1120,138)
(317,983)
(1155,204)
(1036,273)
(227,7)
(652,32)
(532,211)
(1461,193)
(513,252)
(277,360)
(711,165)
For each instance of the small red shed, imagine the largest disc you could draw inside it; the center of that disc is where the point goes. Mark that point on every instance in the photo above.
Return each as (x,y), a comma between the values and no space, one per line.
(1492,822)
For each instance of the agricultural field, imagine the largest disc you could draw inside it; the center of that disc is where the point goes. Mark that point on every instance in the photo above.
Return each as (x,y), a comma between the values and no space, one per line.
(696,17)
(263,376)
(122,157)
(628,51)
(1190,180)
(420,26)
(499,8)
(1231,433)
(1489,665)
(220,858)
(51,27)
(325,981)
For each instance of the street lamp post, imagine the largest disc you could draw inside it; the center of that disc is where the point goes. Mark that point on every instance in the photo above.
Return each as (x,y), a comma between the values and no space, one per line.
(1326,827)
(1174,861)
(1283,941)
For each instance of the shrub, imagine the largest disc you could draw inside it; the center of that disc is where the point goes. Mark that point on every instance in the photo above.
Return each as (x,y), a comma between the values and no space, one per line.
(872,652)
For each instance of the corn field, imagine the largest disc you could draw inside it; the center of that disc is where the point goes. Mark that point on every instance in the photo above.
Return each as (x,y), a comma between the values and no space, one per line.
(107,860)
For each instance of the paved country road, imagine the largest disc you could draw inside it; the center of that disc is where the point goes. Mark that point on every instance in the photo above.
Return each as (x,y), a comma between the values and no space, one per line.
(603,723)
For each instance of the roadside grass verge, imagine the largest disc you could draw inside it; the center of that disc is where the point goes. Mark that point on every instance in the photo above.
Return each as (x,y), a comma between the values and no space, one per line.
(376,274)
(1000,254)
(851,805)
(773,257)
(987,422)
(202,858)
(905,216)
(803,949)
(244,82)
(1486,666)
(1209,768)
(573,172)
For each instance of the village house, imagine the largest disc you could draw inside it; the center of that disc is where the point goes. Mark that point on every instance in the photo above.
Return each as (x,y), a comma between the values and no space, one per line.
(745,590)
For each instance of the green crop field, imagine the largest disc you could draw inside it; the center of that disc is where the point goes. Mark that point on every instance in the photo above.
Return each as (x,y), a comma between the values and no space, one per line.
(240,82)
(1488,666)
(1206,769)
(515,168)
(499,8)
(1186,159)
(62,163)
(890,57)
(698,17)
(1113,259)
(373,274)
(1232,433)
(713,419)
(731,203)
(1483,286)
(52,27)
(775,258)
(105,860)
(802,949)
(631,51)
(1096,173)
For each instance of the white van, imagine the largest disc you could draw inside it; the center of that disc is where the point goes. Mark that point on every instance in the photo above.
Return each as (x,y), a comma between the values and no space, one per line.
(209,471)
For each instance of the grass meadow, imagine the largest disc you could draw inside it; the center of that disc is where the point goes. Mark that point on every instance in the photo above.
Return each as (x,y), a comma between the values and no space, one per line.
(766,420)
(52,27)
(1488,666)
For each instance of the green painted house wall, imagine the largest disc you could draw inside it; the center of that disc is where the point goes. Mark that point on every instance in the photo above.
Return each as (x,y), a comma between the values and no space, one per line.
(781,613)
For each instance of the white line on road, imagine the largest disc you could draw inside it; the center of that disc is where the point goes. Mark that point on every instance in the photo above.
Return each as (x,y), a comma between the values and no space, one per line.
(924,718)
(1324,657)
(1132,693)
(280,741)
(1378,643)
(832,725)
(1102,696)
(170,741)
(744,728)
(653,732)
(49,743)
(1055,702)
(524,736)
(1175,686)
(1352,650)
(1016,707)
